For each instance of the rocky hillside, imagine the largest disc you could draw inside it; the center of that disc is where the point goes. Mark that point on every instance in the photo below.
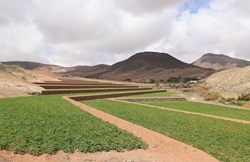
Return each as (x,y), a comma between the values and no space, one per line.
(236,80)
(16,81)
(219,62)
(151,65)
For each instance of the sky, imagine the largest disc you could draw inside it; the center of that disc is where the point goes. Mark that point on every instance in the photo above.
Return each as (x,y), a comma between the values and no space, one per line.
(91,32)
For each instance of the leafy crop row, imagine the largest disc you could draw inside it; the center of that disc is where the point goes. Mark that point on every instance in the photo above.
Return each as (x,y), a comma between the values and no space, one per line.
(46,124)
(205,108)
(225,140)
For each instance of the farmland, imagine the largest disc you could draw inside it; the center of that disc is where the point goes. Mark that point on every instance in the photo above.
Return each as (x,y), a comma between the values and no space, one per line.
(46,124)
(205,109)
(225,140)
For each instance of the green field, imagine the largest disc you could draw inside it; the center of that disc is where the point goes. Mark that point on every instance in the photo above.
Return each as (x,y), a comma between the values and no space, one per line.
(225,140)
(204,108)
(46,124)
(158,94)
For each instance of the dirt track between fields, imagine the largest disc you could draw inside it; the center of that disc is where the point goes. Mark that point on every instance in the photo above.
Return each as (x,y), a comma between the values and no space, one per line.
(161,148)
(187,112)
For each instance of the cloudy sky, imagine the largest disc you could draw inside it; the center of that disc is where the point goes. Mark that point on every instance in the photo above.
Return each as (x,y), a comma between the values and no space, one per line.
(90,32)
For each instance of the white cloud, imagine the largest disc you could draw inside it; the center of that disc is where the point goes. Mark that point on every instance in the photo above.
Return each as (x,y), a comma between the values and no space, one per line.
(19,41)
(105,31)
(218,27)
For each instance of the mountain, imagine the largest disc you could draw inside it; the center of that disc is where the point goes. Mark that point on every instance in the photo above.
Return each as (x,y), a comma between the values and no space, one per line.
(46,69)
(51,70)
(236,80)
(151,65)
(85,71)
(219,62)
(140,67)
(27,64)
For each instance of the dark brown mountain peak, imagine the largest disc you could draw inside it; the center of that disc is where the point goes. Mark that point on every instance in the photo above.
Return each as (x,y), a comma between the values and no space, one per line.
(151,65)
(149,60)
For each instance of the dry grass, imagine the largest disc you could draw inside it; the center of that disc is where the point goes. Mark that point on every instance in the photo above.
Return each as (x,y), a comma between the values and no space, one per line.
(200,89)
(247,104)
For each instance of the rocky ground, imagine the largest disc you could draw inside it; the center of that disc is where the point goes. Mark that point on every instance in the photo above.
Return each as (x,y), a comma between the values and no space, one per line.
(234,81)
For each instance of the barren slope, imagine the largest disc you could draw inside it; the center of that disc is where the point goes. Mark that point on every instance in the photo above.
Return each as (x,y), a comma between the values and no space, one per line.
(54,70)
(16,81)
(235,80)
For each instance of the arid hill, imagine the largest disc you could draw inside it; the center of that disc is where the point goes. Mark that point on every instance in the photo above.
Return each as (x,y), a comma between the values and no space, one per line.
(219,62)
(27,64)
(151,65)
(236,80)
(47,69)
(53,70)
(16,81)
(85,71)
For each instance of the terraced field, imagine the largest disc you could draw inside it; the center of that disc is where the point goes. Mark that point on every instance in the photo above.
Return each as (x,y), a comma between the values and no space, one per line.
(48,123)
(225,140)
(222,111)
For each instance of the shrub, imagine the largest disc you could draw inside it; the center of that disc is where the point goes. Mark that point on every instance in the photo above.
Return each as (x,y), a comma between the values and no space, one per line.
(151,81)
(199,89)
(231,101)
(244,97)
(211,96)
(128,80)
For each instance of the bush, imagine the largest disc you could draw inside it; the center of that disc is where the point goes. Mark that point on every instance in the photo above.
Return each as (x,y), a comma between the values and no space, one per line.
(244,97)
(199,89)
(212,96)
(231,101)
(128,80)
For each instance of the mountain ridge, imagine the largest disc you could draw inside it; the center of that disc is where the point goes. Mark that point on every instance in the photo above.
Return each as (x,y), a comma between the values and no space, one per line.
(220,62)
(144,66)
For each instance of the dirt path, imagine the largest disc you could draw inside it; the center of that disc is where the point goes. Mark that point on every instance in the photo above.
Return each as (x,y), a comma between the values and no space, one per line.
(161,148)
(187,112)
